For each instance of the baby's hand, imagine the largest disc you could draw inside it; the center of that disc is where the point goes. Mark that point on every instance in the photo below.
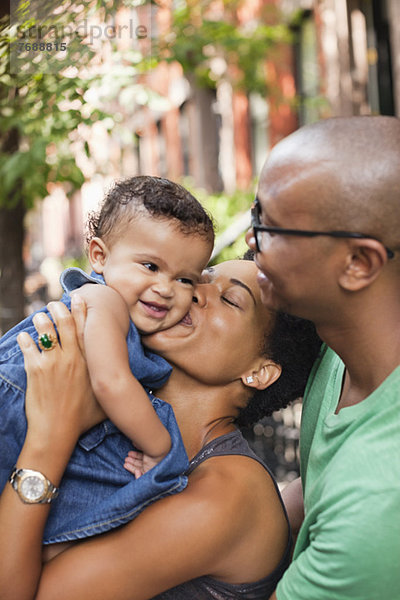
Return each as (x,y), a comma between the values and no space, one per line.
(138,463)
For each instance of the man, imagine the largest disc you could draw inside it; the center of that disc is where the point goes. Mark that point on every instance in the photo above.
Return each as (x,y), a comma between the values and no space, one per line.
(326,226)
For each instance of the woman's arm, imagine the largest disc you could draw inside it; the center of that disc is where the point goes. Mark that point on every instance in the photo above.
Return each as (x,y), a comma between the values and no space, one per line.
(234,537)
(120,394)
(55,420)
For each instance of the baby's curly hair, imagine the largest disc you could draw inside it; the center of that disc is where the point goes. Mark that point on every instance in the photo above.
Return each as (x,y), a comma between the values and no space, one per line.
(158,197)
(294,344)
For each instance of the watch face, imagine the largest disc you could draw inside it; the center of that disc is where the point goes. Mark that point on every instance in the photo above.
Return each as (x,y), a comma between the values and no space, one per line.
(32,488)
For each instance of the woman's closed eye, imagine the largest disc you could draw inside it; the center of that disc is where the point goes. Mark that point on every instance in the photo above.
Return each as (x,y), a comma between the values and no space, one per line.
(231,300)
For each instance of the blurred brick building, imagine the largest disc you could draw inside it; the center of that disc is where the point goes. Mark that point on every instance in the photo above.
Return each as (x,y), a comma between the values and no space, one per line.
(344,59)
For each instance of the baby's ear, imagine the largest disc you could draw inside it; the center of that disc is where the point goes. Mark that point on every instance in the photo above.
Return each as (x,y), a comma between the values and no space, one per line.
(97,253)
(265,376)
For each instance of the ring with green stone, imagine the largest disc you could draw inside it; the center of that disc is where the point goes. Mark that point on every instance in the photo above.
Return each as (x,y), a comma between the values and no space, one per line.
(47,341)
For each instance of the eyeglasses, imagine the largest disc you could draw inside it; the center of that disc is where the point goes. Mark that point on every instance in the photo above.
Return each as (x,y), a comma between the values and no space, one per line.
(259,231)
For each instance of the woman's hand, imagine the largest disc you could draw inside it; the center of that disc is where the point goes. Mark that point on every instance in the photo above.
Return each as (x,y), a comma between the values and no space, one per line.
(59,402)
(59,407)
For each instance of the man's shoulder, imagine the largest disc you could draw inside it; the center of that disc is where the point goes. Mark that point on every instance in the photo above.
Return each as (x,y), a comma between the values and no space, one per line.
(327,358)
(326,368)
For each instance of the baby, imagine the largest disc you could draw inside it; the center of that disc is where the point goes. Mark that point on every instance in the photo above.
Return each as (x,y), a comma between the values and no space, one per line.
(141,250)
(147,247)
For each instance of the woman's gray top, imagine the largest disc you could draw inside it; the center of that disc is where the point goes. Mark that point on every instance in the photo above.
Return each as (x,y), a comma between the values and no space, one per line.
(207,588)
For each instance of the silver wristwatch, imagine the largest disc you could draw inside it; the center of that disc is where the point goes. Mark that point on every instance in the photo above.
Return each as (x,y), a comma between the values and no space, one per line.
(32,486)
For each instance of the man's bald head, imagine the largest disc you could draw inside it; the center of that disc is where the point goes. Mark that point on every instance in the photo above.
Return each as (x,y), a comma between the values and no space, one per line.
(354,165)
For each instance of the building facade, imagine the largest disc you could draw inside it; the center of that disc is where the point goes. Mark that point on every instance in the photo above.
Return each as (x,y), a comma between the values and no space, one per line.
(343,58)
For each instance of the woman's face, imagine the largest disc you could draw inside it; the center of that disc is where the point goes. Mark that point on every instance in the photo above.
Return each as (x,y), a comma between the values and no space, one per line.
(223,332)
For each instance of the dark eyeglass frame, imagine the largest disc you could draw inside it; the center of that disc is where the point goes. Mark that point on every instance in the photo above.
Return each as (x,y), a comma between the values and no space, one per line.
(257,227)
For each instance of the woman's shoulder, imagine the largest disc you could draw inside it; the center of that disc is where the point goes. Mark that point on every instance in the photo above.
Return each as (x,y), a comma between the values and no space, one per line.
(234,446)
(235,482)
(239,503)
(233,478)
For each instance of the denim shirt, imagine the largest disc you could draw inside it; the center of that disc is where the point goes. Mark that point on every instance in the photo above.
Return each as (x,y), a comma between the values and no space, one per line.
(96,492)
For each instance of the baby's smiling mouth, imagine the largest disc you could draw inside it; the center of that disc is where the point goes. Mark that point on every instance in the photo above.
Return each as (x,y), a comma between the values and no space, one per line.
(154,309)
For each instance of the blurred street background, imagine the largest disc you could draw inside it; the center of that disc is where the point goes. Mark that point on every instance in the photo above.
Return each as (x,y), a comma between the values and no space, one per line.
(194,90)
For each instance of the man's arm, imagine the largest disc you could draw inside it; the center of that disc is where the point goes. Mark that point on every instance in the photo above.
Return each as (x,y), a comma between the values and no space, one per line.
(350,553)
(292,495)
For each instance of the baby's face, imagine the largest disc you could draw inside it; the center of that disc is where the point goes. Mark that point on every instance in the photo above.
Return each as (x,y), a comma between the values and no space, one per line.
(155,267)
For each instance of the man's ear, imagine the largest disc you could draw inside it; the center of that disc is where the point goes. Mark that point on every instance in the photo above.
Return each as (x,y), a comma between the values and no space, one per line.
(262,378)
(364,264)
(97,253)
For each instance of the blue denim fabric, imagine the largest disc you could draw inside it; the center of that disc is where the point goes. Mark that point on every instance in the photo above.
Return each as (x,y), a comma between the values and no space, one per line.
(96,492)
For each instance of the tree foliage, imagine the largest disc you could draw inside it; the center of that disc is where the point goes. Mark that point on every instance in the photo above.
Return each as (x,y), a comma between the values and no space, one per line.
(213,46)
(45,95)
(47,73)
(48,97)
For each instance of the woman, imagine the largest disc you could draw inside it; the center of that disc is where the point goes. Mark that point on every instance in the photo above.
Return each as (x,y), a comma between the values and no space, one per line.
(226,535)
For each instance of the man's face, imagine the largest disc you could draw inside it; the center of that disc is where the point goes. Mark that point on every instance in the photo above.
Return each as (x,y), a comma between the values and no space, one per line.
(294,271)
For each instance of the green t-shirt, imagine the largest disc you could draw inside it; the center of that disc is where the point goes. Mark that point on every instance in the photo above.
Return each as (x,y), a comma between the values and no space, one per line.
(349,544)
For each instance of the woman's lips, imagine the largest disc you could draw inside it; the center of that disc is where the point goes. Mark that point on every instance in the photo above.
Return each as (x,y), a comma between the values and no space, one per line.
(187,320)
(154,310)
